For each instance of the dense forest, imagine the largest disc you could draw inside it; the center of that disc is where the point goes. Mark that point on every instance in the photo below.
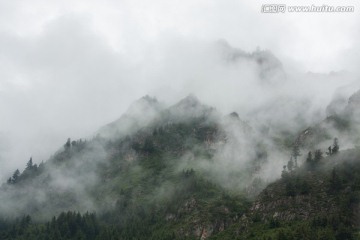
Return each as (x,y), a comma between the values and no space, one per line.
(174,178)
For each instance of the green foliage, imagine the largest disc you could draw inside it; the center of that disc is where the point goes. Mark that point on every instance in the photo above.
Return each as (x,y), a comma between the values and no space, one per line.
(312,163)
(274,223)
(68,225)
(335,181)
(143,193)
(290,188)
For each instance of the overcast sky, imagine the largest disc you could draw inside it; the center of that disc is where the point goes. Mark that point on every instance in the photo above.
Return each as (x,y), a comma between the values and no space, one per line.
(69,67)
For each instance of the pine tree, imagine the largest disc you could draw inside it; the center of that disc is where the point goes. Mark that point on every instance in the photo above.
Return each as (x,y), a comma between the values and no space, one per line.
(335,148)
(309,161)
(335,181)
(309,158)
(290,164)
(15,176)
(318,155)
(284,173)
(329,152)
(9,181)
(296,153)
(29,164)
(67,144)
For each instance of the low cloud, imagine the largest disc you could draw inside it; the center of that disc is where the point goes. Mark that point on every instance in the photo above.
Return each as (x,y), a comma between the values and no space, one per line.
(66,71)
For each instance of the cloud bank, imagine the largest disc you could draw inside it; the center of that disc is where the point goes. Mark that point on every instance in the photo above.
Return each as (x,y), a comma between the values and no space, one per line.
(67,69)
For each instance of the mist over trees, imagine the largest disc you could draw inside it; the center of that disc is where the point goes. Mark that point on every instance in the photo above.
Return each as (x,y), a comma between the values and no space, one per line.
(188,158)
(246,123)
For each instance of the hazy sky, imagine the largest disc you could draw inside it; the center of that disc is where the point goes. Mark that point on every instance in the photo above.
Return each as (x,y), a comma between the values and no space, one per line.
(69,67)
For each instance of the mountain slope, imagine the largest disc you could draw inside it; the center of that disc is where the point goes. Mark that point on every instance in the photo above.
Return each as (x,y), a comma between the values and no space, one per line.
(139,114)
(185,172)
(343,123)
(146,183)
(316,201)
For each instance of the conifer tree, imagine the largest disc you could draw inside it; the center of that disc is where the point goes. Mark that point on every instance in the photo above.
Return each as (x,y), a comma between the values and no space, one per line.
(335,148)
(290,164)
(296,153)
(15,176)
(309,158)
(309,161)
(68,144)
(329,152)
(318,155)
(284,173)
(29,164)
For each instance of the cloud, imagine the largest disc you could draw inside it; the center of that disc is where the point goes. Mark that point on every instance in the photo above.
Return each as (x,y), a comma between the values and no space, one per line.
(67,68)
(64,82)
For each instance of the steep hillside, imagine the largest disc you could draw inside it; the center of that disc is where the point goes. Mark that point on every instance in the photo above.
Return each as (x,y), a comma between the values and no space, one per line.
(343,123)
(184,172)
(319,200)
(139,114)
(148,183)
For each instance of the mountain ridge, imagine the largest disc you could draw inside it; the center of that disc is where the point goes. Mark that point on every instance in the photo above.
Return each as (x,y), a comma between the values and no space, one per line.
(187,173)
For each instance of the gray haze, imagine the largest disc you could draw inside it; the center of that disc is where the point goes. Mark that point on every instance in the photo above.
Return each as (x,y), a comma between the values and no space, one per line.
(67,69)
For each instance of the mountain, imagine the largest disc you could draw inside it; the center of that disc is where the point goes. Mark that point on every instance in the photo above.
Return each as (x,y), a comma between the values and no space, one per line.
(319,200)
(146,174)
(353,107)
(269,67)
(139,114)
(342,123)
(183,172)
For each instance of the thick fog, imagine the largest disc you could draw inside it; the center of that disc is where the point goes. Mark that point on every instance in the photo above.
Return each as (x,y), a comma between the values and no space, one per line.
(67,69)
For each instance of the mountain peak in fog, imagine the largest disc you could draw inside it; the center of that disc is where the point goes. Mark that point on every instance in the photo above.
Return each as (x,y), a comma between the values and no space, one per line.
(145,103)
(190,101)
(187,108)
(270,68)
(140,113)
(234,115)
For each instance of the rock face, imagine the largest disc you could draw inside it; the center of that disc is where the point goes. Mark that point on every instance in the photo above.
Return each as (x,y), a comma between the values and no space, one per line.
(201,228)
(303,194)
(275,203)
(343,117)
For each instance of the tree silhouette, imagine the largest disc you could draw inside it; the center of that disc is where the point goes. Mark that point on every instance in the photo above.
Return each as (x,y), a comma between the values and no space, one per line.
(309,161)
(295,153)
(290,164)
(329,152)
(335,148)
(309,158)
(67,144)
(318,155)
(15,176)
(29,164)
